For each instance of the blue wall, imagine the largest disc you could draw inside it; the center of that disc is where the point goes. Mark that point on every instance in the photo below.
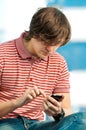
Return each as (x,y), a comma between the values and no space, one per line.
(71,3)
(75,55)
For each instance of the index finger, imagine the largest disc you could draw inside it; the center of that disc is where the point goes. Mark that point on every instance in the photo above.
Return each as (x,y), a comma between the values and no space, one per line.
(43,93)
(39,91)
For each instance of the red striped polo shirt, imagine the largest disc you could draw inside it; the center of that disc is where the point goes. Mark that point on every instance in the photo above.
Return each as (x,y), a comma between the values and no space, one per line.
(19,71)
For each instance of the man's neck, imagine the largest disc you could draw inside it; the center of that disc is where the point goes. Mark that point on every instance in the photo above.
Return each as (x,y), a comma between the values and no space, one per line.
(28,47)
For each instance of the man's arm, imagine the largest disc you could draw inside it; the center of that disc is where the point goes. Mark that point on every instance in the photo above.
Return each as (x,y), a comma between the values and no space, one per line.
(66,103)
(9,106)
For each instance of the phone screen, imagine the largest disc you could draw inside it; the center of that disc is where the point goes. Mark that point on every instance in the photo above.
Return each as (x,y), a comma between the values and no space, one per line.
(57,97)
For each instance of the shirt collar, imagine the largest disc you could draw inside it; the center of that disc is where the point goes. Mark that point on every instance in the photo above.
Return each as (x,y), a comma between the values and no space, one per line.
(22,50)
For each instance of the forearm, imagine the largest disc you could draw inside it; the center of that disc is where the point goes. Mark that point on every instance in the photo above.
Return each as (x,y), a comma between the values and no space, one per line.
(7,107)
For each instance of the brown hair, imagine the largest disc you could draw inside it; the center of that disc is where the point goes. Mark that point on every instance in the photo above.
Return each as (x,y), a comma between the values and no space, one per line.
(50,25)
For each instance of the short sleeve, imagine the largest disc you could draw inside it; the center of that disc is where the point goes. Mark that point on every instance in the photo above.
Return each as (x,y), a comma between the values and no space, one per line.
(62,84)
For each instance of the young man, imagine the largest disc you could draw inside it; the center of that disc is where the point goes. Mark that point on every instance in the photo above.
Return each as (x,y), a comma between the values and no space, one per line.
(31,71)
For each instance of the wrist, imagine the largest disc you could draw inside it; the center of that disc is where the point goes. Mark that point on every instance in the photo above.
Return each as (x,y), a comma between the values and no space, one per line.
(59,116)
(15,103)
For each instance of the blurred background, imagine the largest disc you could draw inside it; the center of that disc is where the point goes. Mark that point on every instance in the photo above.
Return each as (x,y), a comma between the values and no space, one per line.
(15,16)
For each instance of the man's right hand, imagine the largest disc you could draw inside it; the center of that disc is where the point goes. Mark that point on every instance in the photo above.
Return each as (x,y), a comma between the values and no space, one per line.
(28,96)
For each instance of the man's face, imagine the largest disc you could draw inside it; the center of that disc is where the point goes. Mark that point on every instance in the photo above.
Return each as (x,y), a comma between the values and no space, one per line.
(41,49)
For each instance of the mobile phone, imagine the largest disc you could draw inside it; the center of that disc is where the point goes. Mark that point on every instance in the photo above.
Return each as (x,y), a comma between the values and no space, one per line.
(58,97)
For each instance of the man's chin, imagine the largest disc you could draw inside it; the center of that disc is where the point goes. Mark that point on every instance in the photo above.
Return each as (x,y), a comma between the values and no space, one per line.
(44,57)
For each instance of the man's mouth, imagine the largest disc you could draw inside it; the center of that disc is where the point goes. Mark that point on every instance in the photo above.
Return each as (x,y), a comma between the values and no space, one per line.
(47,53)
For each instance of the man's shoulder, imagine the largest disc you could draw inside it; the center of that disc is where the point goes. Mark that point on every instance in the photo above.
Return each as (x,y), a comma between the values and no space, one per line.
(6,48)
(6,45)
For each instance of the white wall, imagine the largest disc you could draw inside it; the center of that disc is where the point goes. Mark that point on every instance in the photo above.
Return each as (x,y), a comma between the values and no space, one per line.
(76,16)
(16,16)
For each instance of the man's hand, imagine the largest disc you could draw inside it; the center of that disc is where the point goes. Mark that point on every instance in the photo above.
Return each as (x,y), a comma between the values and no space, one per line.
(51,107)
(28,96)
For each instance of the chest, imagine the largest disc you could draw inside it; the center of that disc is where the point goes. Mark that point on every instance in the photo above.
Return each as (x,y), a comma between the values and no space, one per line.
(23,74)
